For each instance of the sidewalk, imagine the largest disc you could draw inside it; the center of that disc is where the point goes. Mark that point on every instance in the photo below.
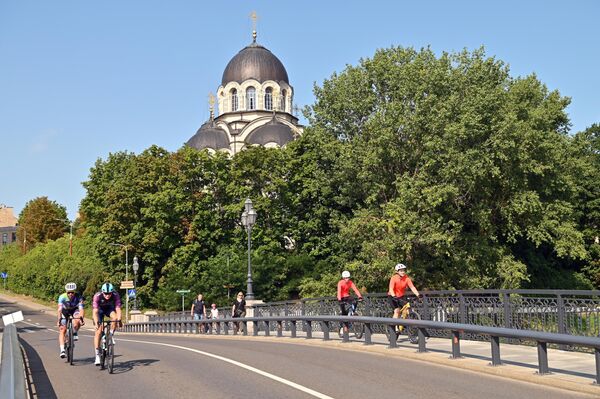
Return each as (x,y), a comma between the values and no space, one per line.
(574,371)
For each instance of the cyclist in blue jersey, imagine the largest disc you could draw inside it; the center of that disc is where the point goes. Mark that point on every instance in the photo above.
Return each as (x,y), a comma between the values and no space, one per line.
(70,303)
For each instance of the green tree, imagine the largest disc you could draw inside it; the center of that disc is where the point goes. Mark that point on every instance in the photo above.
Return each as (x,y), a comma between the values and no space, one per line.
(40,220)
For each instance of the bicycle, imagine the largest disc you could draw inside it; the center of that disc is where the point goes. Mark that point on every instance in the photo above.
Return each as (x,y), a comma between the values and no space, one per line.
(357,328)
(107,347)
(406,312)
(69,341)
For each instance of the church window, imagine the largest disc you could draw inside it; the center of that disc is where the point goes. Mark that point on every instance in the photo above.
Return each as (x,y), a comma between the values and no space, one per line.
(282,99)
(234,100)
(269,99)
(251,98)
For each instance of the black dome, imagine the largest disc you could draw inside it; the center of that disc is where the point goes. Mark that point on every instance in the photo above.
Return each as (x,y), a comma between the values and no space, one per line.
(254,62)
(209,136)
(272,132)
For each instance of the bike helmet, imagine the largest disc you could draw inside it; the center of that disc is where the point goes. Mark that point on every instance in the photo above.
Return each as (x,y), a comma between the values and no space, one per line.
(345,274)
(400,266)
(107,287)
(71,287)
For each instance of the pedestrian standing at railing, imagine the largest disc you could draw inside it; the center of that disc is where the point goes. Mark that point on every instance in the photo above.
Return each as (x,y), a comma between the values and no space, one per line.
(239,308)
(214,314)
(198,308)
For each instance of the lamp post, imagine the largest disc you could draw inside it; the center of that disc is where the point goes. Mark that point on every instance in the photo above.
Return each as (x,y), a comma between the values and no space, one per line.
(70,234)
(126,276)
(136,267)
(248,221)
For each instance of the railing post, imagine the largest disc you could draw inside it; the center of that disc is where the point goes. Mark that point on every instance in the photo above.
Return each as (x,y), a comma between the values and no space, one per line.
(267,328)
(507,310)
(542,348)
(245,328)
(346,332)
(597,353)
(462,309)
(303,313)
(422,347)
(308,329)
(325,328)
(456,345)
(368,332)
(562,325)
(495,342)
(279,328)
(392,335)
(293,328)
(226,328)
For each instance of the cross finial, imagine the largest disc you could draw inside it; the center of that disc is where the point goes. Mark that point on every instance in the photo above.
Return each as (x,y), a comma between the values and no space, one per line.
(254,17)
(211,103)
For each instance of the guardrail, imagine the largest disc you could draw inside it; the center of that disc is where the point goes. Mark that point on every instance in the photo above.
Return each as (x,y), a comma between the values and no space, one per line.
(494,334)
(12,368)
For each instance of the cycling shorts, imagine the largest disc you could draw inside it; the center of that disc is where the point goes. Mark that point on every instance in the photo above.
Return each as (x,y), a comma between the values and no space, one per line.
(346,303)
(397,301)
(66,313)
(102,312)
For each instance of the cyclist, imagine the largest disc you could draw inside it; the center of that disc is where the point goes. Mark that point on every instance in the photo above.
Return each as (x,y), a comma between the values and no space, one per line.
(343,294)
(397,286)
(70,303)
(107,303)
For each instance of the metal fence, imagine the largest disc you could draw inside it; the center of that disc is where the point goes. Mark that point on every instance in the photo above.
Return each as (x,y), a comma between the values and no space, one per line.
(574,312)
(12,368)
(457,330)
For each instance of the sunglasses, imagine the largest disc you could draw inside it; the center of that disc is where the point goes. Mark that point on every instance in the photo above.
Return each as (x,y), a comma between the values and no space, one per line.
(70,293)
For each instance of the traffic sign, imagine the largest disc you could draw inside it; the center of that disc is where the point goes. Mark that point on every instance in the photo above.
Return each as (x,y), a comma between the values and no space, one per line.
(4,275)
(126,284)
(131,293)
(183,291)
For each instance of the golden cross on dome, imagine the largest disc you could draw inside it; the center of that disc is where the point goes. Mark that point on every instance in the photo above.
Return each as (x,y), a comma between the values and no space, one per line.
(254,18)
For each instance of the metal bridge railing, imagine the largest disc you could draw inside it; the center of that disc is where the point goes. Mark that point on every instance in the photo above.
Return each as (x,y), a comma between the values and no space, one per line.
(12,368)
(264,324)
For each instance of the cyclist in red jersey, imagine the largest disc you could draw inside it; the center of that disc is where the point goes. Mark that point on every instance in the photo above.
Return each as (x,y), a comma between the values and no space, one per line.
(397,286)
(343,294)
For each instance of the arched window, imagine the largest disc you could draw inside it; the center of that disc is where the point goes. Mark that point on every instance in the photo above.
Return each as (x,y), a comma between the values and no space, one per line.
(282,98)
(269,99)
(250,98)
(234,100)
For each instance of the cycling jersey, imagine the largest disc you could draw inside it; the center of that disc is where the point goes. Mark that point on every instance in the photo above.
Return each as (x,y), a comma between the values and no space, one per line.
(105,304)
(343,289)
(66,304)
(398,284)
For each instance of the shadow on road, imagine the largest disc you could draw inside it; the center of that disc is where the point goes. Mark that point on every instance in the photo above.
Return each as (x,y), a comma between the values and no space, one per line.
(124,367)
(39,383)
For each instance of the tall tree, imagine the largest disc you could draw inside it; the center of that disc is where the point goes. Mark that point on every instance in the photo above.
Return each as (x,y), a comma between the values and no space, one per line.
(41,220)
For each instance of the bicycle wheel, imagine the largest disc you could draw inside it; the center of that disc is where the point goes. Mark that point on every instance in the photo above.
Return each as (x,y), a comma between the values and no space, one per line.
(358,329)
(110,354)
(71,343)
(103,351)
(411,331)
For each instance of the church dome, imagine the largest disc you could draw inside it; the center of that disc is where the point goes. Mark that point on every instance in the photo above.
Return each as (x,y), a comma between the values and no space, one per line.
(254,62)
(209,136)
(272,132)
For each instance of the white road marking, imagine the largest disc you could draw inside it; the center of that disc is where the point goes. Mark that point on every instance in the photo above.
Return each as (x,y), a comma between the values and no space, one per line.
(239,364)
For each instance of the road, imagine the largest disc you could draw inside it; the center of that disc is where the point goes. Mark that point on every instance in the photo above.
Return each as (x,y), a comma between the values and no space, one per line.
(159,366)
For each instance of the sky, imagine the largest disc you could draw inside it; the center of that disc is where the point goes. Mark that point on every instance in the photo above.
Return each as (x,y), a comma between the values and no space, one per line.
(82,79)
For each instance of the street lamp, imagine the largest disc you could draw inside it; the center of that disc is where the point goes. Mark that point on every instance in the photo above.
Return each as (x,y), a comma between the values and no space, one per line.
(248,221)
(114,244)
(136,267)
(70,234)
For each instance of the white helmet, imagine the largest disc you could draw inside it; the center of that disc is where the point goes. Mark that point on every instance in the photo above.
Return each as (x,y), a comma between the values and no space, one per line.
(345,274)
(70,287)
(400,266)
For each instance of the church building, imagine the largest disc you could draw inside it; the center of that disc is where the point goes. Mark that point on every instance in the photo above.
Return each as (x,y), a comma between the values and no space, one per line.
(255,101)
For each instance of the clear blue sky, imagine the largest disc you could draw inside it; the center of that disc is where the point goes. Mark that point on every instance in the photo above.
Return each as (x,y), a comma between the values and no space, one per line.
(82,79)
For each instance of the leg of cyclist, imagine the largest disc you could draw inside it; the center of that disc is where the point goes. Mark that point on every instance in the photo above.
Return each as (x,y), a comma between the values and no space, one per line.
(98,317)
(62,323)
(76,324)
(344,306)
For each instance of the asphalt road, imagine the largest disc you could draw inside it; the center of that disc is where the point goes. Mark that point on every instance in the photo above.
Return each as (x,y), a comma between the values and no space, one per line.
(159,366)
